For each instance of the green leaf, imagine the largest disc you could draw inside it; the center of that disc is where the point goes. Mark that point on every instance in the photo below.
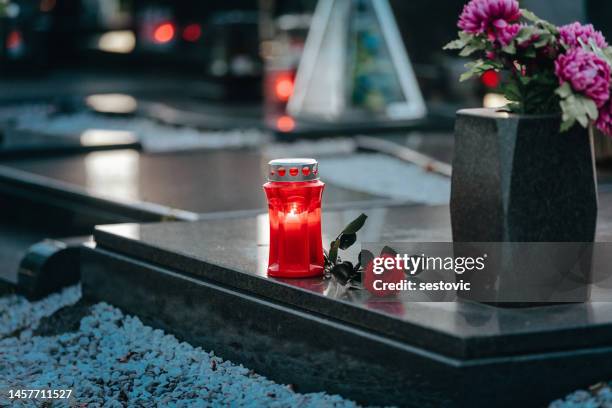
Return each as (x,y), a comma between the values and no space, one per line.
(510,49)
(468,50)
(466,75)
(607,53)
(346,240)
(355,225)
(511,91)
(525,80)
(464,40)
(564,90)
(514,107)
(543,40)
(465,36)
(578,108)
(591,108)
(567,125)
(525,34)
(333,251)
(528,15)
(530,53)
(455,45)
(604,54)
(473,68)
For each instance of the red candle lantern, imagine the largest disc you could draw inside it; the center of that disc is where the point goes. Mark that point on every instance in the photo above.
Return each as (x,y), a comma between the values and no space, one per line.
(294,194)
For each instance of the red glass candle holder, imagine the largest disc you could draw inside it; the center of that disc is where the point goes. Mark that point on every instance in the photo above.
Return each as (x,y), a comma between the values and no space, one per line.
(294,194)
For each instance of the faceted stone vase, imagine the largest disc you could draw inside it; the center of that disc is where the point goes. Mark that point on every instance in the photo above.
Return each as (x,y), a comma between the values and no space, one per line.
(517,178)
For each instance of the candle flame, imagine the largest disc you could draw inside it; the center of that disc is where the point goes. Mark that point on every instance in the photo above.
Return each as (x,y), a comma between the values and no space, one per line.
(293,210)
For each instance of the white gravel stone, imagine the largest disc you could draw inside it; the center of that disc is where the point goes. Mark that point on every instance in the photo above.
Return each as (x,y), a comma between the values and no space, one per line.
(17,314)
(115,360)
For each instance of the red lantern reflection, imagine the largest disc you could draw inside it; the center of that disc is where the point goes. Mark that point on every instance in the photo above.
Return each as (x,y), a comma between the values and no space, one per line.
(294,194)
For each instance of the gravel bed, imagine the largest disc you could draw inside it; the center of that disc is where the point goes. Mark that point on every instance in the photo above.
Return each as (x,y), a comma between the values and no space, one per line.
(114,360)
(598,396)
(17,315)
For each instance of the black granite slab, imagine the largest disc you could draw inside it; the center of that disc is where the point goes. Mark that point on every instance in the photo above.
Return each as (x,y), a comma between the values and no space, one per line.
(234,253)
(16,143)
(130,185)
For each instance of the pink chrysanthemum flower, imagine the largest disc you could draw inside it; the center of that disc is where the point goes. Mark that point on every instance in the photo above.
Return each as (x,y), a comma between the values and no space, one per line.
(586,73)
(484,16)
(571,33)
(604,120)
(508,33)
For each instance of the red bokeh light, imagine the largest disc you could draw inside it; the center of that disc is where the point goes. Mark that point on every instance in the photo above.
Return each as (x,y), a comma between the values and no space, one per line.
(285,123)
(13,40)
(192,32)
(164,33)
(283,88)
(490,79)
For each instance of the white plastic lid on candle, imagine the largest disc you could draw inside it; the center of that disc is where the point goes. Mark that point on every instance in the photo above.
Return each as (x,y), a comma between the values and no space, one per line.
(300,169)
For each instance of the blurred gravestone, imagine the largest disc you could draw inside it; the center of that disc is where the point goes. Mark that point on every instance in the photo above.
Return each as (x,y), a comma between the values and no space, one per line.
(355,67)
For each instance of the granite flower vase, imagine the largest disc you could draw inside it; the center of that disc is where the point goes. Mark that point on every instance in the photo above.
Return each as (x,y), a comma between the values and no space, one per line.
(517,178)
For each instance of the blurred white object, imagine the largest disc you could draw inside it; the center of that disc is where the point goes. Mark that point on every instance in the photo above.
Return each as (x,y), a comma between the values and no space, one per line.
(493,100)
(120,42)
(112,103)
(355,67)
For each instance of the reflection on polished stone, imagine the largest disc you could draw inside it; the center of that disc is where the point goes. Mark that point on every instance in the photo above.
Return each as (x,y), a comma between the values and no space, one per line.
(195,181)
(100,137)
(388,306)
(115,174)
(17,141)
(112,103)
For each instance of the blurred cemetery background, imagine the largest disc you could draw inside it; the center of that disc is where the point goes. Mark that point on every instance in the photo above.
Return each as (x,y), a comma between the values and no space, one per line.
(127,111)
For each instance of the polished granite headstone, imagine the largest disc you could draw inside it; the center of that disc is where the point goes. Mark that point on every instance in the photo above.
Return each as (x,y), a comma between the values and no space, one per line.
(206,282)
(136,186)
